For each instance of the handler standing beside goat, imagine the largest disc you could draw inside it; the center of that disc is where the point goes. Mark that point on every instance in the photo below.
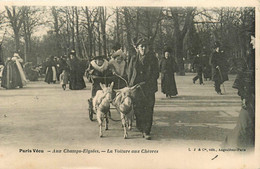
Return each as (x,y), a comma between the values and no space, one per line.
(143,67)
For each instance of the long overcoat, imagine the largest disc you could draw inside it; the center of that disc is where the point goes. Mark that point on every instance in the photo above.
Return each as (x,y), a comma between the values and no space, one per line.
(11,77)
(168,84)
(146,71)
(77,70)
(219,67)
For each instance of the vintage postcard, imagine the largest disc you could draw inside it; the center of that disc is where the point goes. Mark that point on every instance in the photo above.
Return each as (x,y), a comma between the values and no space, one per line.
(129,84)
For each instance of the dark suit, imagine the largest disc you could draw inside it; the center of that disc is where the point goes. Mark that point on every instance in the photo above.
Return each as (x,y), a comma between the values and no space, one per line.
(220,74)
(145,70)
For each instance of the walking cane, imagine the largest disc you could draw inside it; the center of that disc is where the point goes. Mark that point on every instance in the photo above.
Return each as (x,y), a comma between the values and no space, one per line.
(221,77)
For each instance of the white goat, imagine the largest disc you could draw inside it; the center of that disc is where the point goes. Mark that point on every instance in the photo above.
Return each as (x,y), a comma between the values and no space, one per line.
(101,105)
(124,104)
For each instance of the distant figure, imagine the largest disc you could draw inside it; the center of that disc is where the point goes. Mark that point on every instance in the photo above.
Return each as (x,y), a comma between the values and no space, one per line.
(168,68)
(64,68)
(219,68)
(51,75)
(13,74)
(77,70)
(57,65)
(207,67)
(198,66)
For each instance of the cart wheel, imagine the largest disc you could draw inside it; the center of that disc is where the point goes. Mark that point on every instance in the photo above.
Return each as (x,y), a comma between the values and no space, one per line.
(90,111)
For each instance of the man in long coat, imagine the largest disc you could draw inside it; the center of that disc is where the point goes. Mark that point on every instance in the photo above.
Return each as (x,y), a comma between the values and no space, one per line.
(219,67)
(143,67)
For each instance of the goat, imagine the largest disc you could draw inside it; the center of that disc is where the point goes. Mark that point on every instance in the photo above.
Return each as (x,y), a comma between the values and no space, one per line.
(101,105)
(124,105)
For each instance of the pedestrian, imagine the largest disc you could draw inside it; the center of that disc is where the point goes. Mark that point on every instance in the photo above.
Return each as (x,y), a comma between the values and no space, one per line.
(143,68)
(51,69)
(207,67)
(58,69)
(168,67)
(118,66)
(64,76)
(13,75)
(77,70)
(198,66)
(219,67)
(243,135)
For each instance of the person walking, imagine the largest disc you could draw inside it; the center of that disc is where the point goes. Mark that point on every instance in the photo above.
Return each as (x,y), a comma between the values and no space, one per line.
(64,68)
(198,66)
(77,70)
(51,75)
(143,68)
(168,67)
(219,67)
(13,75)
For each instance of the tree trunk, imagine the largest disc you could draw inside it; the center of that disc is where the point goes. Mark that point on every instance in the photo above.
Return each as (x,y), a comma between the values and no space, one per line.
(68,32)
(117,26)
(79,51)
(103,30)
(56,30)
(180,34)
(128,32)
(73,29)
(99,35)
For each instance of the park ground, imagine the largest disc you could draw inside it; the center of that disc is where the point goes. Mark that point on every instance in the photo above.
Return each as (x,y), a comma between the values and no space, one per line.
(43,116)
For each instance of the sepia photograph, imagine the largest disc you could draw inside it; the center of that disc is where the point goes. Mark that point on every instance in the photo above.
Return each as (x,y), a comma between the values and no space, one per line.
(131,86)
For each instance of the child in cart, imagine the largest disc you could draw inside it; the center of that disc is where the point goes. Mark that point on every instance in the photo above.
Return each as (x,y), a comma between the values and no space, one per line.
(98,72)
(64,76)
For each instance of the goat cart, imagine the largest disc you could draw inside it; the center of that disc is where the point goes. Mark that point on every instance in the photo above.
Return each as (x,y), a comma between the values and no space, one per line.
(106,80)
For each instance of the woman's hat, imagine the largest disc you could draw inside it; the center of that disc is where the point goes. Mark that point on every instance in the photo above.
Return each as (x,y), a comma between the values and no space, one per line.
(16,55)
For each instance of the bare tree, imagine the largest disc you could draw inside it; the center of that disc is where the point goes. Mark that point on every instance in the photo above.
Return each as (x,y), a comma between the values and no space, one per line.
(15,16)
(32,19)
(58,23)
(182,20)
(91,19)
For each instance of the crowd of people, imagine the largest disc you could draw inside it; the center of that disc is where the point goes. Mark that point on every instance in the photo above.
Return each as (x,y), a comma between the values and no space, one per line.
(143,67)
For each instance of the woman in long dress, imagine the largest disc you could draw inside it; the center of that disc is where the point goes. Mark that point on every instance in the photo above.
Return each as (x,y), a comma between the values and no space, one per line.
(13,74)
(51,75)
(168,67)
(77,70)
